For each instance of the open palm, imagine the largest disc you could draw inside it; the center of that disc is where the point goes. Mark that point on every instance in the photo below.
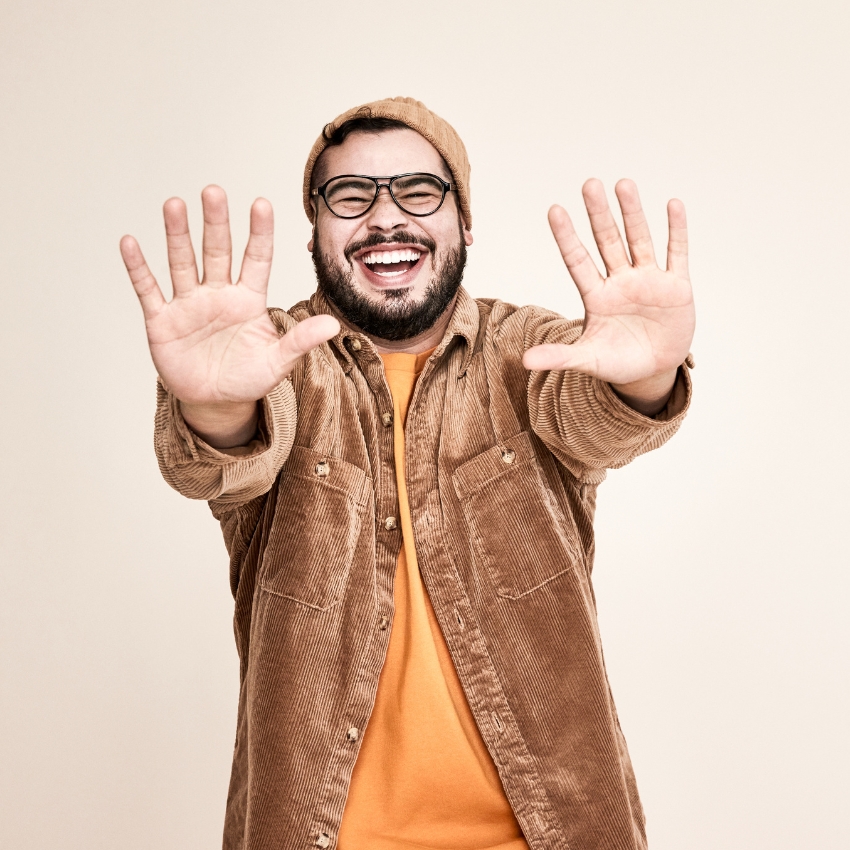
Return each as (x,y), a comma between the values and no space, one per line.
(213,342)
(639,320)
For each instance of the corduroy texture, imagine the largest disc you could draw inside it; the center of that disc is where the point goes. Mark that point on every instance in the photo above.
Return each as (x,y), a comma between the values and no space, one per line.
(422,748)
(501,468)
(418,117)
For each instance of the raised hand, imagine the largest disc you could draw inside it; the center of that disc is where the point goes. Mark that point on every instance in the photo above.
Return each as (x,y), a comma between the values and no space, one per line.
(213,344)
(639,320)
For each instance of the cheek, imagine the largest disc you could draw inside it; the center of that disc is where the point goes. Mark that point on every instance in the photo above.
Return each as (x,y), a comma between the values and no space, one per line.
(343,242)
(448,241)
(333,236)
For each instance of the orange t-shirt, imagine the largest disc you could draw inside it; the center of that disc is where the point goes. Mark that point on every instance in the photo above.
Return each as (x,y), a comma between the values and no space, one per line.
(423,779)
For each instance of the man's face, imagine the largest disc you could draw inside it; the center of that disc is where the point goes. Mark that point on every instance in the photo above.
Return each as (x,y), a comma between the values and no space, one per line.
(398,300)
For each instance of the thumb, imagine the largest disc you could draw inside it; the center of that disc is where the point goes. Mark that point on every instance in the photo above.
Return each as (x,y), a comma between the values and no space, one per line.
(578,357)
(304,337)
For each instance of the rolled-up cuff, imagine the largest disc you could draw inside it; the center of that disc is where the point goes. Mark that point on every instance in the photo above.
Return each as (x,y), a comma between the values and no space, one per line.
(674,411)
(200,471)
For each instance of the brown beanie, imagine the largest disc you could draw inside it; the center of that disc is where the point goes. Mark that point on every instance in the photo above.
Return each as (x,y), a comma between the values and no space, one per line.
(418,117)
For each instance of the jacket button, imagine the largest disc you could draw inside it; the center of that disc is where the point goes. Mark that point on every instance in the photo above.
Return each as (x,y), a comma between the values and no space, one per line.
(353,734)
(355,345)
(322,468)
(323,840)
(387,419)
(383,623)
(390,523)
(508,456)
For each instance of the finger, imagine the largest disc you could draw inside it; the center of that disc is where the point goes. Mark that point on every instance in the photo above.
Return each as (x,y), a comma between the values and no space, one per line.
(181,255)
(257,262)
(304,337)
(217,247)
(577,358)
(677,246)
(579,263)
(637,230)
(150,295)
(605,230)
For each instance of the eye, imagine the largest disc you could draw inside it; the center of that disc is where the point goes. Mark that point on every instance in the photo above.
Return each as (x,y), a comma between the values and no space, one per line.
(418,190)
(349,189)
(349,194)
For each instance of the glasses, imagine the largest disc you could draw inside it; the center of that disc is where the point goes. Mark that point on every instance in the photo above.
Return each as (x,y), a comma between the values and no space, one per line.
(352,195)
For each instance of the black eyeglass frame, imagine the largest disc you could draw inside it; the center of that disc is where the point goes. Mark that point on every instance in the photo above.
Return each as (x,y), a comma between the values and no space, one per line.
(320,192)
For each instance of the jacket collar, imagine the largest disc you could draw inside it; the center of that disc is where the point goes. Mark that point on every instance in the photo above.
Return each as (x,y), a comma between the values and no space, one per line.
(464,323)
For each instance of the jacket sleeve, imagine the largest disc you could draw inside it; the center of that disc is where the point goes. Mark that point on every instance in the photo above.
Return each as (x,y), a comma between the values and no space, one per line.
(581,419)
(233,476)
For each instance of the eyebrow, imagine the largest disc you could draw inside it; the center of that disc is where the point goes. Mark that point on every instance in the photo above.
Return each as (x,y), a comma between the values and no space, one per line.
(319,172)
(352,178)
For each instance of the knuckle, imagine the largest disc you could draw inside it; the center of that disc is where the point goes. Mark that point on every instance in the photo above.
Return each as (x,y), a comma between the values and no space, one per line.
(257,255)
(574,256)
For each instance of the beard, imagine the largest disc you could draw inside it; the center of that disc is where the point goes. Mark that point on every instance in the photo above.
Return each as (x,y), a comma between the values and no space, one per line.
(397,316)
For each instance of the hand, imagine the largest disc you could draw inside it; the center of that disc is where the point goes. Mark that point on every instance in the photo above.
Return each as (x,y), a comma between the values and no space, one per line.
(213,344)
(639,320)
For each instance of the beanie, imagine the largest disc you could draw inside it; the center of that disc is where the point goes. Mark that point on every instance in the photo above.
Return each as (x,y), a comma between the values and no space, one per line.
(418,117)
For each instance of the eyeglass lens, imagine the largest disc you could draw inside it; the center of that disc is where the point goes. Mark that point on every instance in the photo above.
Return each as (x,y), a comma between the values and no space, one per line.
(417,194)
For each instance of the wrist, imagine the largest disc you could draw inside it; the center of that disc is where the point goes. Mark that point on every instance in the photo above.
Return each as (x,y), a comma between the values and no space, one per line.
(649,395)
(223,425)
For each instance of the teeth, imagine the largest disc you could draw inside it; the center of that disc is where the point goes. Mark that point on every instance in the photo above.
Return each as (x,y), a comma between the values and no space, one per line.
(391,257)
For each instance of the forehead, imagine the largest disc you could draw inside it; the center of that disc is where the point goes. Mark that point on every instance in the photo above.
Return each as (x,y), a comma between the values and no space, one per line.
(383,155)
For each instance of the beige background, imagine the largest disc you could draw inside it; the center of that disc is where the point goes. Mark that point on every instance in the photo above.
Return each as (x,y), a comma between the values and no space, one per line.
(722,565)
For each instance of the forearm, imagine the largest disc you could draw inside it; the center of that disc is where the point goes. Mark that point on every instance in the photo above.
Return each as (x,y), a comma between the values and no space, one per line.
(225,425)
(588,426)
(650,395)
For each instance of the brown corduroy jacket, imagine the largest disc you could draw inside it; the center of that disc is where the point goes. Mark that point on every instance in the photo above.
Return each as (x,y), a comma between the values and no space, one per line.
(502,467)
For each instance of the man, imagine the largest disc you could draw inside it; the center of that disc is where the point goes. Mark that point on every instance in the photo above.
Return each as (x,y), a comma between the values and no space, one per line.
(406,480)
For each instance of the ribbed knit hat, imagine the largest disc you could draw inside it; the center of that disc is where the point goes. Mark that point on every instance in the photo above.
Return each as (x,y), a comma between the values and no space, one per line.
(418,117)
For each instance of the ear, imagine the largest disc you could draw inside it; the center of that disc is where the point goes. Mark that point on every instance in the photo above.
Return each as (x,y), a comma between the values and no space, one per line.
(315,223)
(467,236)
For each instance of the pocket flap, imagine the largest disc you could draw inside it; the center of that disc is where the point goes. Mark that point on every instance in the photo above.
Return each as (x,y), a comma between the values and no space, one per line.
(471,476)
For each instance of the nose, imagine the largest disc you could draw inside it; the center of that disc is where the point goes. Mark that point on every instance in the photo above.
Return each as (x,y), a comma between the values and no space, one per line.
(385,214)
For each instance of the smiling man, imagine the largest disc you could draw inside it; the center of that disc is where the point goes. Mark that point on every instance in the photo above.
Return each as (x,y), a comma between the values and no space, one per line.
(406,480)
(415,285)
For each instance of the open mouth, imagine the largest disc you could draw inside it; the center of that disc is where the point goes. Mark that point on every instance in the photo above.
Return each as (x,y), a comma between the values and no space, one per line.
(397,266)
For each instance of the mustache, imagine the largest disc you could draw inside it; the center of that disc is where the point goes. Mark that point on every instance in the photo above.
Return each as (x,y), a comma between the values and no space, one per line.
(402,237)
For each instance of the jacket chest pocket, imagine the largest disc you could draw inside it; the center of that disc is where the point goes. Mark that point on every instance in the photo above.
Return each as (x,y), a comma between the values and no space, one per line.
(516,525)
(317,523)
